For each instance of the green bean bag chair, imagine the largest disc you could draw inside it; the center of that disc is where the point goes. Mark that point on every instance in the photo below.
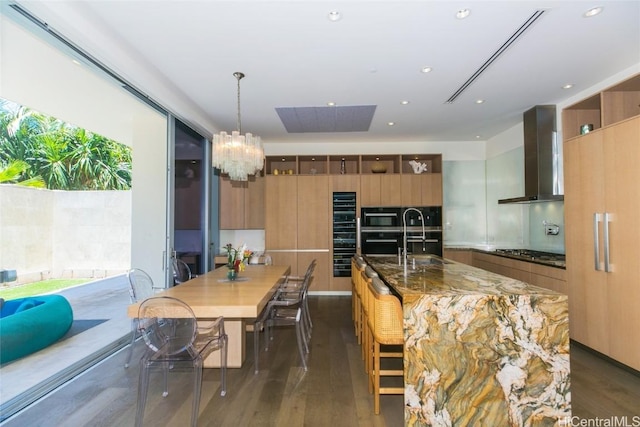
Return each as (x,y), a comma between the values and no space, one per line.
(30,324)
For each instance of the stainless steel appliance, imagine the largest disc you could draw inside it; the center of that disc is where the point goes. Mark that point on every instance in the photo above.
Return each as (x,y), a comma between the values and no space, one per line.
(381,217)
(531,255)
(381,231)
(542,157)
(432,244)
(381,242)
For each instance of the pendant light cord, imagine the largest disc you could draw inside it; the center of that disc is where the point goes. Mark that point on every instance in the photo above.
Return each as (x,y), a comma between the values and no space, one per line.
(238,76)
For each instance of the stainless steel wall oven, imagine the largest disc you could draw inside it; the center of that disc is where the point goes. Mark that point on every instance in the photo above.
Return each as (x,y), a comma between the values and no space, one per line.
(382,230)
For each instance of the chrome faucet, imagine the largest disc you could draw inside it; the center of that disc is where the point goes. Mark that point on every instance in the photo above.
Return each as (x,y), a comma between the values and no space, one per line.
(404,235)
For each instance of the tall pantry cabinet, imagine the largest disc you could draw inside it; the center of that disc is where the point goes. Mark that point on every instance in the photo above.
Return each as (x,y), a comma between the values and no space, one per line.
(602,206)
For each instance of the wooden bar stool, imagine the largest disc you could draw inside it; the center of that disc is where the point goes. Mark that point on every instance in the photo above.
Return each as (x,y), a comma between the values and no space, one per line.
(385,324)
(367,275)
(360,266)
(356,260)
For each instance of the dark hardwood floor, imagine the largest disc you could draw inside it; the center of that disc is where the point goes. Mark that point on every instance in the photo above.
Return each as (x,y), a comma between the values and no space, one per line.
(332,393)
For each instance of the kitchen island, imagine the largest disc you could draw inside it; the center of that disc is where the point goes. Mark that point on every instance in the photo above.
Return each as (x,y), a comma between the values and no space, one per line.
(480,348)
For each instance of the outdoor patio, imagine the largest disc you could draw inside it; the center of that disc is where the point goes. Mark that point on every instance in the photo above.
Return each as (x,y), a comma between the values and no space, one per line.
(100,326)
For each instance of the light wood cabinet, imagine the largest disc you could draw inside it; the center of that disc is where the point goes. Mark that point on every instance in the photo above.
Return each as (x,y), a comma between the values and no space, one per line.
(421,190)
(281,212)
(380,190)
(242,203)
(313,212)
(584,197)
(545,276)
(516,269)
(389,190)
(370,190)
(602,178)
(459,255)
(297,224)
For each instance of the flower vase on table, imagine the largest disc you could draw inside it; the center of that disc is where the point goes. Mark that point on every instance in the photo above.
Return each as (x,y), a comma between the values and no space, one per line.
(236,260)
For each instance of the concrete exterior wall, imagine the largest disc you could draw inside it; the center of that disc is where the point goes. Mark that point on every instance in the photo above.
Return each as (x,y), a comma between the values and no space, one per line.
(51,234)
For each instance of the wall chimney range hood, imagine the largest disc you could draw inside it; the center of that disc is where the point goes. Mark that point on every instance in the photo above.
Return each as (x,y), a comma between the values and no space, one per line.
(542,159)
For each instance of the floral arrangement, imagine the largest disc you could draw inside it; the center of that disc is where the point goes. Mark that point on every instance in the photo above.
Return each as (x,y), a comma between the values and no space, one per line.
(236,257)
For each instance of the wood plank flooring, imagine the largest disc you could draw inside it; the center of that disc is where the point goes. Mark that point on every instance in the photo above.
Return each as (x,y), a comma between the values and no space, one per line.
(333,392)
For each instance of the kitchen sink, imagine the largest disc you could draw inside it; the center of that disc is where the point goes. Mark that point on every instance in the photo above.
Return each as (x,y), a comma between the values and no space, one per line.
(426,260)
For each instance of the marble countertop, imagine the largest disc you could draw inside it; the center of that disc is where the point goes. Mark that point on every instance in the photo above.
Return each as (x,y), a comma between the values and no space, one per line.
(434,275)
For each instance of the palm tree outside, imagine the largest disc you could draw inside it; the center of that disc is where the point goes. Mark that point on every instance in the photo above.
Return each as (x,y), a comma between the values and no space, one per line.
(63,156)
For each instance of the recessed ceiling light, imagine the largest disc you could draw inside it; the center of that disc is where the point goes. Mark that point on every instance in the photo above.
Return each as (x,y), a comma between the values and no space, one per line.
(331,104)
(404,102)
(593,12)
(479,101)
(334,16)
(567,86)
(478,136)
(391,123)
(426,69)
(75,61)
(462,13)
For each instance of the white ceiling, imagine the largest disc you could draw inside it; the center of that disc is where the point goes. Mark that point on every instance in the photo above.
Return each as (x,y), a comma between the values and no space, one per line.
(294,56)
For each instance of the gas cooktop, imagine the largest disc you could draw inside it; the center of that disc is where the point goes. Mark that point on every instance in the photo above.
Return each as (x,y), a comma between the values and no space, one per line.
(532,255)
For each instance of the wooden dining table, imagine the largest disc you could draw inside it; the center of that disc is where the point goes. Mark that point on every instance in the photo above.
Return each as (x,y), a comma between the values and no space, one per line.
(212,295)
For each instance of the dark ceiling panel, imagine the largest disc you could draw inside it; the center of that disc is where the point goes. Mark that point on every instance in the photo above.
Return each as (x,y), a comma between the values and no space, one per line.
(355,118)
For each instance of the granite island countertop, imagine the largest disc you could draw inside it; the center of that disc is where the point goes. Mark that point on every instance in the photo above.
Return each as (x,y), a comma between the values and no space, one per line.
(480,348)
(435,275)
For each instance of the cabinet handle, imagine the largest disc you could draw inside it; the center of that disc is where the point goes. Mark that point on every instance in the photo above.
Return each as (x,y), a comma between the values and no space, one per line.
(605,235)
(357,233)
(596,241)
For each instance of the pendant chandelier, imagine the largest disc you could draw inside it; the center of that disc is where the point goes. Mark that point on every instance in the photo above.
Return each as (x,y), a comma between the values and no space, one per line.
(236,154)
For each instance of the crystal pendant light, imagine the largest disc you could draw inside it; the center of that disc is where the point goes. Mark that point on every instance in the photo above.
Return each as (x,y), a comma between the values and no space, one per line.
(236,154)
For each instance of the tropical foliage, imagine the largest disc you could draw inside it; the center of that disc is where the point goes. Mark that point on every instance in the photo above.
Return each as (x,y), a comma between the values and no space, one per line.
(35,148)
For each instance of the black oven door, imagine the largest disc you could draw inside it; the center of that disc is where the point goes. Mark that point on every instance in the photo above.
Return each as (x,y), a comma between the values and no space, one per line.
(382,217)
(380,243)
(432,244)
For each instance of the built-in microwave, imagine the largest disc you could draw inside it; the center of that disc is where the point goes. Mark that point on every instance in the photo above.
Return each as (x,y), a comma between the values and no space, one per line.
(381,217)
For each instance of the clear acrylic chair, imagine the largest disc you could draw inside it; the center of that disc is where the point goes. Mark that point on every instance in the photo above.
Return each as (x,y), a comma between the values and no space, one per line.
(293,284)
(287,308)
(140,288)
(176,339)
(181,271)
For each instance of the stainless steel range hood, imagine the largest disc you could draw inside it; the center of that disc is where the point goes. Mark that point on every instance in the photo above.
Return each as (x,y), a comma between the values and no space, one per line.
(542,160)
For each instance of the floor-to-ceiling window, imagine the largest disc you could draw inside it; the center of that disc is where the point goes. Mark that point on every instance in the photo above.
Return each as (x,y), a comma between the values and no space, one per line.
(41,72)
(37,71)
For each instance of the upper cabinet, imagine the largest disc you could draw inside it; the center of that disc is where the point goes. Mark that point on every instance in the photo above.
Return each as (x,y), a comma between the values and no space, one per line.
(384,180)
(242,203)
(611,106)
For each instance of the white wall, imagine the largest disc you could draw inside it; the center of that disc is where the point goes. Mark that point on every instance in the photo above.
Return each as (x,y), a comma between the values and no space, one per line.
(51,234)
